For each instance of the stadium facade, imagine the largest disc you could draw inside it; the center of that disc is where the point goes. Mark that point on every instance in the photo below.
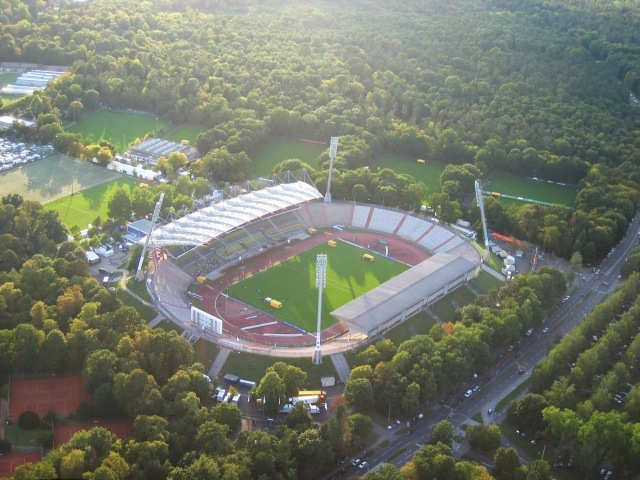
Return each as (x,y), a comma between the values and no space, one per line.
(406,294)
(246,225)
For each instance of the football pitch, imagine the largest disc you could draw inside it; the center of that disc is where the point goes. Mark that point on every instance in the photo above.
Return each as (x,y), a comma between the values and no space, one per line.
(293,283)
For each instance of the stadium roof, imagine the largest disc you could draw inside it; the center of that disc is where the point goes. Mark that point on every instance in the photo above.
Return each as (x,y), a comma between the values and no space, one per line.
(388,300)
(212,222)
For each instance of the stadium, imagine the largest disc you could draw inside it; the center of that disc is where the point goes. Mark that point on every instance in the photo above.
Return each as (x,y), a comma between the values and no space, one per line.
(221,246)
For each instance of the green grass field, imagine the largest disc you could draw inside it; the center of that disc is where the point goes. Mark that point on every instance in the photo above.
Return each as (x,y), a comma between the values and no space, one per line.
(147,313)
(537,190)
(5,79)
(446,307)
(485,282)
(84,207)
(168,326)
(187,132)
(293,283)
(119,128)
(419,324)
(205,352)
(53,177)
(429,173)
(277,150)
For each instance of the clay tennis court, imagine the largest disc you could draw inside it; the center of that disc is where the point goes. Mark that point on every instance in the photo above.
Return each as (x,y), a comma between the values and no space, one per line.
(121,428)
(249,323)
(60,394)
(10,461)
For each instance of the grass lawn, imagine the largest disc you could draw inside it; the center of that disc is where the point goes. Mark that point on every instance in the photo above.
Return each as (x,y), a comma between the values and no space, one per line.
(22,438)
(119,128)
(293,283)
(139,288)
(7,78)
(168,325)
(84,207)
(485,282)
(516,393)
(446,307)
(205,352)
(147,313)
(429,172)
(419,324)
(187,132)
(534,189)
(277,150)
(250,366)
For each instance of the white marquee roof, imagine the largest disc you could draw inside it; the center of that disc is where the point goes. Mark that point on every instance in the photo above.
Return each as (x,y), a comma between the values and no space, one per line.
(211,222)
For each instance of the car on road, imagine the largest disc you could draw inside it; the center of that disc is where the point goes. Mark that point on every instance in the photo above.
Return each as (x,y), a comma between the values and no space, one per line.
(363,465)
(468,393)
(545,330)
(356,462)
(490,411)
(521,370)
(529,332)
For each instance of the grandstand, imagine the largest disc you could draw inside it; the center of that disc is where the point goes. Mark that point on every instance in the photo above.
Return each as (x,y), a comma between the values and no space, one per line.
(385,220)
(225,218)
(399,298)
(360,216)
(207,242)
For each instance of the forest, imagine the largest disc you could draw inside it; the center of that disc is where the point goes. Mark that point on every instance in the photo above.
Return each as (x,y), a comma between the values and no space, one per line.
(534,88)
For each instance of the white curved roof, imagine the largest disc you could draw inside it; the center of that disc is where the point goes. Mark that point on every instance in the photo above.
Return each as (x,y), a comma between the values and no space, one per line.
(211,222)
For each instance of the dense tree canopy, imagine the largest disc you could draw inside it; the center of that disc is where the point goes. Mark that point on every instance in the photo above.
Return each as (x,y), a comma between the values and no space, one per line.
(490,85)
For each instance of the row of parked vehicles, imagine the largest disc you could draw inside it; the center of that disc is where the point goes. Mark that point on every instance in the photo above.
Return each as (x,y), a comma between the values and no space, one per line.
(13,154)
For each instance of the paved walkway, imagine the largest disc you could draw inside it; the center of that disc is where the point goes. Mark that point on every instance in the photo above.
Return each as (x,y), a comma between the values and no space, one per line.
(219,362)
(490,270)
(341,366)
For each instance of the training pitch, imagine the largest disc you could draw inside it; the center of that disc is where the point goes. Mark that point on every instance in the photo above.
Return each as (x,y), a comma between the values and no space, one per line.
(293,283)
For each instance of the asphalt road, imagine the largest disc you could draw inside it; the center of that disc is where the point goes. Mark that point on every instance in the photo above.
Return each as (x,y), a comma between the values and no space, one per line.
(506,377)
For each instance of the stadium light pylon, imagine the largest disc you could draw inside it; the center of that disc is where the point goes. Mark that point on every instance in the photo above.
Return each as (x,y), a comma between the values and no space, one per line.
(321,282)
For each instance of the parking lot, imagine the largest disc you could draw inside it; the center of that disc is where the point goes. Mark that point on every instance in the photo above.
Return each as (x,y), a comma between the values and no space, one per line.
(14,154)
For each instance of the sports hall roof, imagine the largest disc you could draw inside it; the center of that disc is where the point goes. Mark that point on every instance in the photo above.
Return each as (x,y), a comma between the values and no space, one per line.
(388,300)
(211,222)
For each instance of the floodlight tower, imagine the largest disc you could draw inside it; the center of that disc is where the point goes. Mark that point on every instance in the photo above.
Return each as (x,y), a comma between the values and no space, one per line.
(480,201)
(333,151)
(154,219)
(321,282)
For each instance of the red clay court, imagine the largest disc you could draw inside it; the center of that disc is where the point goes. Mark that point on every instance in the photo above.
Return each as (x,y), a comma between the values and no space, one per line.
(61,394)
(121,428)
(10,461)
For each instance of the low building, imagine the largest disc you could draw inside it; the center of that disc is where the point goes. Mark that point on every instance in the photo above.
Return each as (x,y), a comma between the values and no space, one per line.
(150,150)
(135,171)
(6,121)
(138,230)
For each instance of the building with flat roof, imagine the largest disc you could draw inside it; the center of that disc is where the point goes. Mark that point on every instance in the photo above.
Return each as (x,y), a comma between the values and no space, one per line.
(150,150)
(404,295)
(30,81)
(6,121)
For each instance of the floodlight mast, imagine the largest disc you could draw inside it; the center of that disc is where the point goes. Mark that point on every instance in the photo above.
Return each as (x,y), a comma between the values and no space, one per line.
(333,151)
(480,201)
(154,219)
(321,282)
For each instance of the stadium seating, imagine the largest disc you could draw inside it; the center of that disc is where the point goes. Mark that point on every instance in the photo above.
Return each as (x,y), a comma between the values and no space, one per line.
(360,216)
(385,220)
